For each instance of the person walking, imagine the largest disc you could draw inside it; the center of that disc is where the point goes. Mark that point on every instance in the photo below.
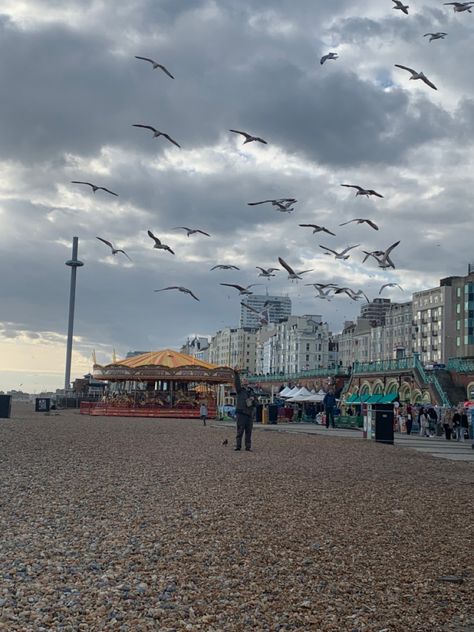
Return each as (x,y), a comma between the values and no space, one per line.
(448,423)
(329,403)
(409,418)
(424,424)
(432,420)
(461,423)
(244,409)
(203,412)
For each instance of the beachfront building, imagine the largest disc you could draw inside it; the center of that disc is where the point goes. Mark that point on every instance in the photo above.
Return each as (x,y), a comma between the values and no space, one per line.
(234,347)
(197,347)
(278,308)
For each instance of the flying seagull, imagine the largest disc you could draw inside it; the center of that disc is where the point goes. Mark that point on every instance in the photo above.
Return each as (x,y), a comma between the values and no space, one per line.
(320,286)
(361,191)
(94,187)
(324,294)
(417,75)
(112,248)
(264,272)
(155,65)
(180,289)
(282,203)
(191,231)
(224,267)
(390,285)
(461,6)
(317,229)
(382,256)
(435,36)
(328,56)
(158,243)
(401,6)
(263,314)
(352,293)
(361,221)
(340,255)
(242,290)
(291,273)
(157,133)
(248,137)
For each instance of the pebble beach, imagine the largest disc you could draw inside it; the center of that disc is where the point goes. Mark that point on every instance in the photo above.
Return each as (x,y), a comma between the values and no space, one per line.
(142,524)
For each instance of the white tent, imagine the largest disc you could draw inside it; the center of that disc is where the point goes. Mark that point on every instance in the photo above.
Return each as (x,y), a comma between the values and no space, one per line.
(301,396)
(293,392)
(285,392)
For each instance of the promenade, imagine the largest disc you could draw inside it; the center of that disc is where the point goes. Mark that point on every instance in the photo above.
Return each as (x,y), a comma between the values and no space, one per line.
(152,524)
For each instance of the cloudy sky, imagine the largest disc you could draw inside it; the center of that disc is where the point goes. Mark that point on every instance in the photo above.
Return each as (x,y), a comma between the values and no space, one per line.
(72,89)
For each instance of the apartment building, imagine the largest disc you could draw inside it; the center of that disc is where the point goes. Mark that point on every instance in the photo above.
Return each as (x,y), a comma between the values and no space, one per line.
(234,347)
(278,308)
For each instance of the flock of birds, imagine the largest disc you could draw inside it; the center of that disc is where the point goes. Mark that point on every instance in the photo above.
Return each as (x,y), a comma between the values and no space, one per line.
(324,291)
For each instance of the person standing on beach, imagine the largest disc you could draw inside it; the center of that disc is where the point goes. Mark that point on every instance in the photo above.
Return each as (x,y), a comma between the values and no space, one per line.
(244,409)
(329,403)
(203,412)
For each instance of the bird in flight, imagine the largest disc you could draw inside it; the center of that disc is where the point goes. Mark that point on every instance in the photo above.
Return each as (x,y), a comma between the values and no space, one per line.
(264,272)
(352,293)
(461,6)
(435,36)
(112,248)
(191,231)
(382,256)
(242,290)
(180,289)
(390,285)
(417,75)
(248,137)
(263,314)
(157,133)
(317,229)
(328,56)
(323,294)
(291,273)
(340,255)
(361,221)
(281,204)
(94,187)
(155,65)
(401,6)
(361,191)
(158,243)
(225,267)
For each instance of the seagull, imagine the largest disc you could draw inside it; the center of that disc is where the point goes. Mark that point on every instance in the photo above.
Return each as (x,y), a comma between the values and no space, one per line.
(461,6)
(224,267)
(242,290)
(361,221)
(157,133)
(401,6)
(225,442)
(324,294)
(248,137)
(418,75)
(328,56)
(155,65)
(114,250)
(266,272)
(263,315)
(382,257)
(320,286)
(291,273)
(390,285)
(94,187)
(361,191)
(180,289)
(317,229)
(340,255)
(352,294)
(158,243)
(191,231)
(435,36)
(283,204)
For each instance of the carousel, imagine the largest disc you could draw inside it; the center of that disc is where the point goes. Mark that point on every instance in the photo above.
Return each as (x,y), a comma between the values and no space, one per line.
(159,384)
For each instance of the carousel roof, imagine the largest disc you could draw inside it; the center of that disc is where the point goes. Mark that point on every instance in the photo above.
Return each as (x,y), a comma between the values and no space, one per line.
(163,365)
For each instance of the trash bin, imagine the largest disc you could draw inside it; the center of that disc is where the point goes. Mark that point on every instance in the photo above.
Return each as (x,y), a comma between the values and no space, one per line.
(384,423)
(258,413)
(5,406)
(42,404)
(265,415)
(272,413)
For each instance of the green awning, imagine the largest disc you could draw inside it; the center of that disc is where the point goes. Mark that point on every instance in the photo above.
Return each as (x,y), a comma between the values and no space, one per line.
(358,399)
(388,399)
(374,399)
(351,399)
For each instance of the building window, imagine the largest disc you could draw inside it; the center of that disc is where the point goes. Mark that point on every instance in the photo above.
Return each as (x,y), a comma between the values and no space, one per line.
(458,308)
(458,341)
(458,292)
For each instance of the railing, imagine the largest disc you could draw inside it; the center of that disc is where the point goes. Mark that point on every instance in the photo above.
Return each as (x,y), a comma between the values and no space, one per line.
(460,366)
(381,366)
(291,377)
(432,379)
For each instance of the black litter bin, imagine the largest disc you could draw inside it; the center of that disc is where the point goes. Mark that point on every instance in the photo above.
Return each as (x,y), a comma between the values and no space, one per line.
(42,404)
(272,413)
(384,423)
(5,406)
(258,413)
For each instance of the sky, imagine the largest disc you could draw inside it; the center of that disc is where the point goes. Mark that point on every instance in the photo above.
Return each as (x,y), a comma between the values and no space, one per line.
(72,91)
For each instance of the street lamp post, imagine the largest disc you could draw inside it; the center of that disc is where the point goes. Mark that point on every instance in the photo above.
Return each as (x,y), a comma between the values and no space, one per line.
(73,263)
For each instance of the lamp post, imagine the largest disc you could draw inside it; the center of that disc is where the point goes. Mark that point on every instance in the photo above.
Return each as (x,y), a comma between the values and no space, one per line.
(73,263)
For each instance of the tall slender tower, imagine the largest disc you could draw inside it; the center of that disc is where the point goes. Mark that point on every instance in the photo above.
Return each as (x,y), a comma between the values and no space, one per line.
(73,263)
